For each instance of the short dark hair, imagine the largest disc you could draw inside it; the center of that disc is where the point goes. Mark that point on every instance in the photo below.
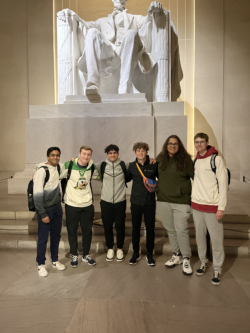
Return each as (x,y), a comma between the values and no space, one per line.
(51,149)
(202,136)
(141,145)
(110,148)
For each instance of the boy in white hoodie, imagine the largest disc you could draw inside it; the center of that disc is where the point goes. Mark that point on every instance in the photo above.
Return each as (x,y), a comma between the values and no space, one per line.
(47,199)
(208,201)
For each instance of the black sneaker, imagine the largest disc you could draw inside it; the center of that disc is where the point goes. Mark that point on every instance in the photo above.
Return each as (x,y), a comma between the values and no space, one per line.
(216,280)
(202,270)
(89,260)
(150,260)
(74,262)
(135,258)
(69,255)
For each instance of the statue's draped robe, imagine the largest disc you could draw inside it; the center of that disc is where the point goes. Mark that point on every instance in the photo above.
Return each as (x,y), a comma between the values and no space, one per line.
(109,56)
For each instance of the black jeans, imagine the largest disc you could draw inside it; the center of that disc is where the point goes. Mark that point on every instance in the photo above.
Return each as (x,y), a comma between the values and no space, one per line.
(149,217)
(54,228)
(114,213)
(85,216)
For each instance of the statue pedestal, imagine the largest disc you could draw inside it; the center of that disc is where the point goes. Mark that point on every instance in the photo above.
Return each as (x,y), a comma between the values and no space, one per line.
(70,126)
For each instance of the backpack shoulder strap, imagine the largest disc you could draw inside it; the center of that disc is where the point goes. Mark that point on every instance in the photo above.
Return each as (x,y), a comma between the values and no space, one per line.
(212,163)
(195,160)
(92,170)
(58,168)
(123,166)
(124,169)
(69,170)
(46,169)
(213,167)
(102,169)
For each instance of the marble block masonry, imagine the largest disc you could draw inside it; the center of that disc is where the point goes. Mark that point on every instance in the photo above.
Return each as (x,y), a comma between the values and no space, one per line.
(69,126)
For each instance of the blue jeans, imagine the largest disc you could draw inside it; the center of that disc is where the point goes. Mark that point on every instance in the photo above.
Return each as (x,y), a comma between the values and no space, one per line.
(54,228)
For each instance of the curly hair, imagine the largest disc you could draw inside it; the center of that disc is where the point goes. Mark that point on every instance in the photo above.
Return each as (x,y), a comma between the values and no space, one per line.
(111,148)
(141,145)
(182,156)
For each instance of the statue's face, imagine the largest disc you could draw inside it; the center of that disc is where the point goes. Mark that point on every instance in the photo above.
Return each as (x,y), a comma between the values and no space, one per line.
(119,4)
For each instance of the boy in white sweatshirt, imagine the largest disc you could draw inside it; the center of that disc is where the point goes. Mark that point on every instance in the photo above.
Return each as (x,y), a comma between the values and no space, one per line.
(79,206)
(209,199)
(47,200)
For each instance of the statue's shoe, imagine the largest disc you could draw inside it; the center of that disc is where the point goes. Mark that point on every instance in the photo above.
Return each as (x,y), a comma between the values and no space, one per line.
(92,90)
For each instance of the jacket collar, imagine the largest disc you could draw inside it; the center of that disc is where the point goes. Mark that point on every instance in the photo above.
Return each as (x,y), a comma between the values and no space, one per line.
(146,162)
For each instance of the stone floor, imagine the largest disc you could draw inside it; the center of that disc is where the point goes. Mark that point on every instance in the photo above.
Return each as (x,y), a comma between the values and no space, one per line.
(116,297)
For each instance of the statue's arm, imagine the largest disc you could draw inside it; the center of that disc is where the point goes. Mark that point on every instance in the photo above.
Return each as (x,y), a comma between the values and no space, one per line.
(64,14)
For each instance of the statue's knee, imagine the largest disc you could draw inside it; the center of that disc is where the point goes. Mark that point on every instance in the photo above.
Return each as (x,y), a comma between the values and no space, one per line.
(92,33)
(131,34)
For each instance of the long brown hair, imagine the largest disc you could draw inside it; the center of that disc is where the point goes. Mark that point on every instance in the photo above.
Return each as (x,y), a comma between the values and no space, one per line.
(182,156)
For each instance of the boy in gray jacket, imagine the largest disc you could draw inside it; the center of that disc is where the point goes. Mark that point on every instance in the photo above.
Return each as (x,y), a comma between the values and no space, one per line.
(113,200)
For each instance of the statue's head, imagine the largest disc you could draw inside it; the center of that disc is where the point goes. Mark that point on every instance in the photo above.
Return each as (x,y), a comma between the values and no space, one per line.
(119,4)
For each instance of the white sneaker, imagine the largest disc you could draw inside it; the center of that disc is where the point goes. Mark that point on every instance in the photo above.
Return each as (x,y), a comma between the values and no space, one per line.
(186,268)
(175,260)
(119,255)
(110,255)
(42,271)
(58,265)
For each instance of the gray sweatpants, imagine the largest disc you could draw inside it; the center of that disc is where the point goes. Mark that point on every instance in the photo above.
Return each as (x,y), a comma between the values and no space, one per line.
(174,218)
(207,221)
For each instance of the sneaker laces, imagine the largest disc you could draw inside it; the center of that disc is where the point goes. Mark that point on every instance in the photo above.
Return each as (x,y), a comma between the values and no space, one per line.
(173,258)
(75,258)
(203,266)
(186,262)
(87,257)
(216,274)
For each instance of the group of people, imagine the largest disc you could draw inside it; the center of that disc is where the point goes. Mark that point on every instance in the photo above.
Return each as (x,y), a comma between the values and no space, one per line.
(183,185)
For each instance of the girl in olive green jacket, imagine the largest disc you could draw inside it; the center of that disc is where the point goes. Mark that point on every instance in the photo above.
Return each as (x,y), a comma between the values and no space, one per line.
(174,198)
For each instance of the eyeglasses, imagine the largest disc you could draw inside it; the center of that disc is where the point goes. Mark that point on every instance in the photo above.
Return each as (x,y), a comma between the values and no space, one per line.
(173,144)
(199,142)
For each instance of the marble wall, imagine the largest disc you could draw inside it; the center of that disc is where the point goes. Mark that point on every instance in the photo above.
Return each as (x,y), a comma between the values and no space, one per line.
(27,72)
(209,36)
(14,89)
(236,113)
(222,90)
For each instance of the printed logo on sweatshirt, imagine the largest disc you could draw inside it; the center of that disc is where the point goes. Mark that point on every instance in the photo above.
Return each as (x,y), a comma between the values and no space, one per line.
(81,184)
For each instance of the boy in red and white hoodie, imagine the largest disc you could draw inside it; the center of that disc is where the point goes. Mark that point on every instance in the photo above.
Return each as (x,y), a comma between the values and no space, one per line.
(208,201)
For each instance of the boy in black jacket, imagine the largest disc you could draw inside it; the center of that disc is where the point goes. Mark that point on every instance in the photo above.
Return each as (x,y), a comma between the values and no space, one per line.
(142,202)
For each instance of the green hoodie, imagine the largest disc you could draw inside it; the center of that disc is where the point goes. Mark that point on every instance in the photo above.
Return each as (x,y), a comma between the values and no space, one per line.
(175,186)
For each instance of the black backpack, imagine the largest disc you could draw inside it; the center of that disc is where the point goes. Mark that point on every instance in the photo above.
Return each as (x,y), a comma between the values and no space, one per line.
(123,166)
(64,181)
(213,167)
(31,203)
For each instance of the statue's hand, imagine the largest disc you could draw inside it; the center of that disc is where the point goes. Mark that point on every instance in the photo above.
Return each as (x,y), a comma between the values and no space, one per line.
(155,7)
(63,14)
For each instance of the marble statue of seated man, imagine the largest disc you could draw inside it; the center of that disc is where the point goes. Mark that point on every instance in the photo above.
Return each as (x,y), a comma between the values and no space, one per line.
(120,41)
